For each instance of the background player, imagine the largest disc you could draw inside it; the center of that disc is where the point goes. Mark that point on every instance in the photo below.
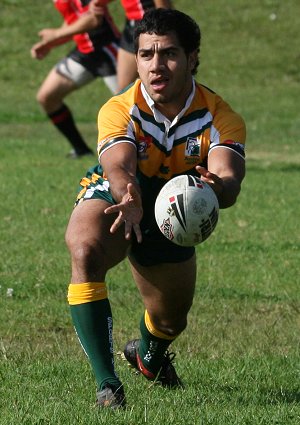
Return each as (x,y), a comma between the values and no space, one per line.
(95,55)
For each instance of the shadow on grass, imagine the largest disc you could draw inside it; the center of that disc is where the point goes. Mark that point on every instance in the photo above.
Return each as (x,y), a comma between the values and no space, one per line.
(282,396)
(262,396)
(264,167)
(226,293)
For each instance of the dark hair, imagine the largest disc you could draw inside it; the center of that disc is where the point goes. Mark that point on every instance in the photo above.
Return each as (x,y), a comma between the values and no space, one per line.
(162,21)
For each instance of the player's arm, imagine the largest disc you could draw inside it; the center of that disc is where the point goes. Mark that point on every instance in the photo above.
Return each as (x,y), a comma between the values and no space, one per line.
(165,4)
(119,164)
(53,37)
(225,173)
(56,36)
(85,23)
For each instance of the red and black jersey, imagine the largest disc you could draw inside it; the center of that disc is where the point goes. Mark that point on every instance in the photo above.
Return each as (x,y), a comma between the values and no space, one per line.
(95,39)
(135,9)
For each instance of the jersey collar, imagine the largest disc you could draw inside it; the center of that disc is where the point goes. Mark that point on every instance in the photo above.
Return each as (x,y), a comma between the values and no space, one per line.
(159,117)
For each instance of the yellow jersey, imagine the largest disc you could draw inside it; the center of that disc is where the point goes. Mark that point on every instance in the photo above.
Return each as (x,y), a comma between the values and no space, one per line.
(166,149)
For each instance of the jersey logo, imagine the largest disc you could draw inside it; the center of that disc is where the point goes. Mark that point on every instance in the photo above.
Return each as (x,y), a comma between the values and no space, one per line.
(143,145)
(193,147)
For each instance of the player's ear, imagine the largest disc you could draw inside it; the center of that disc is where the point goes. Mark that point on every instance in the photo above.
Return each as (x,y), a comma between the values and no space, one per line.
(193,58)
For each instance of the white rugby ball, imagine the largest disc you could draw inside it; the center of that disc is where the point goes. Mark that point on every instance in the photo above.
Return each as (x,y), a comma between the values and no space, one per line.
(186,210)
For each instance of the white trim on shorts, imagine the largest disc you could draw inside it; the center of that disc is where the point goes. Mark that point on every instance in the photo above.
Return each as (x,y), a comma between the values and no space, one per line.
(74,71)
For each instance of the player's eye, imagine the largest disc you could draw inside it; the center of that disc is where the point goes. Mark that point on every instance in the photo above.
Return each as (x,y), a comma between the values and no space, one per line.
(146,55)
(171,54)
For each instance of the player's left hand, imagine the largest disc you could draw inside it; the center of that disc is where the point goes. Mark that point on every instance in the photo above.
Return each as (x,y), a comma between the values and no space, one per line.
(213,180)
(39,51)
(130,213)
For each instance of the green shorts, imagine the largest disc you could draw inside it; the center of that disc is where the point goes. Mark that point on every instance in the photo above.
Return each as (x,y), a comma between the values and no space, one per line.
(155,248)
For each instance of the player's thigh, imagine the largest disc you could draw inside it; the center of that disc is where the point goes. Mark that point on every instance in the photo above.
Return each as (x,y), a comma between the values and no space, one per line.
(126,68)
(167,290)
(88,236)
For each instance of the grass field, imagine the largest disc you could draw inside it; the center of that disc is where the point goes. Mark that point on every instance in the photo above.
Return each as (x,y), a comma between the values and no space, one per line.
(239,357)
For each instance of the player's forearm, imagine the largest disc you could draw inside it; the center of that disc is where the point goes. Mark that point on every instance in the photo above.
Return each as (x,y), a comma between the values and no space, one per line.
(225,173)
(57,41)
(119,178)
(230,189)
(119,164)
(85,23)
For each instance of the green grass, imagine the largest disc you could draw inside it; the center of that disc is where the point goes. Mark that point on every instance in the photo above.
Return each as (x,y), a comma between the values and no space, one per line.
(239,357)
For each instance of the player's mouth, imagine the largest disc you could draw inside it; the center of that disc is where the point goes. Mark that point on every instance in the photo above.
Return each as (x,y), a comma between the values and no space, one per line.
(159,83)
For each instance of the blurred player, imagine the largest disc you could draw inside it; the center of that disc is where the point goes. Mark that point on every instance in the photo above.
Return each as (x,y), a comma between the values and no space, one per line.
(95,55)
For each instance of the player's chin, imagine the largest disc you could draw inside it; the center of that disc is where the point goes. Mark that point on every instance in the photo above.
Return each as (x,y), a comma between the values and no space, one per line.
(162,98)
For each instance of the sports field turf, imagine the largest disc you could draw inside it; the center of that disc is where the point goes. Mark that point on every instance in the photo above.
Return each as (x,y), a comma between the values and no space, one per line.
(239,357)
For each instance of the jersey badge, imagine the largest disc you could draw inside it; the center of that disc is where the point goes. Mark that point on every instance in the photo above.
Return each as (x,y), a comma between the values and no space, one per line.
(193,149)
(143,145)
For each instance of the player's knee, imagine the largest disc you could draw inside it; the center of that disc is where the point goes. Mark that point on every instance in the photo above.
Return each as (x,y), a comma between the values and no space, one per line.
(41,97)
(84,252)
(47,100)
(79,246)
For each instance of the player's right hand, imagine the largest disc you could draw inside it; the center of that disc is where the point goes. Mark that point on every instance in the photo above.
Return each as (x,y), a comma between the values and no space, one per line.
(130,213)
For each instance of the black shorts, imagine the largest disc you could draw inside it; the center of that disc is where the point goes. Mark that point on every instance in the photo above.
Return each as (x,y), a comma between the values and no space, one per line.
(127,40)
(99,63)
(155,248)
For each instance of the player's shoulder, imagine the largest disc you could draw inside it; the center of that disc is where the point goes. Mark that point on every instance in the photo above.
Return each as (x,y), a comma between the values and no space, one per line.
(206,92)
(213,100)
(205,99)
(126,98)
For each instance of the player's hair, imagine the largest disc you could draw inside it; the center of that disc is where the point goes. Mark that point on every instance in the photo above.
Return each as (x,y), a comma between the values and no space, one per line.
(162,21)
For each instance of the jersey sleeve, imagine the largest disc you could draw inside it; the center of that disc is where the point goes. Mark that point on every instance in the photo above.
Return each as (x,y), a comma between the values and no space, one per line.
(228,129)
(114,125)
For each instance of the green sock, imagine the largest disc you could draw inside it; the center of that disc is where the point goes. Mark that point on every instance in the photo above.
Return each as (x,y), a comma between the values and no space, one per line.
(151,348)
(93,324)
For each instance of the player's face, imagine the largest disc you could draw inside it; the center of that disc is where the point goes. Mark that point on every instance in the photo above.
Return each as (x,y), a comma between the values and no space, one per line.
(165,71)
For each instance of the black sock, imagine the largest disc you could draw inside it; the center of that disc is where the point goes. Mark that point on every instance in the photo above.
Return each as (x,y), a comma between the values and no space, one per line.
(64,122)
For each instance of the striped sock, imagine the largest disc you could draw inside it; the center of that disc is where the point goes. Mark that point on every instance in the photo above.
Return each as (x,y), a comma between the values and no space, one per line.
(64,122)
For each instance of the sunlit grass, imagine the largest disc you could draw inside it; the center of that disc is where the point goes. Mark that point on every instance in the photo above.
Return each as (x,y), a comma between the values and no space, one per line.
(239,357)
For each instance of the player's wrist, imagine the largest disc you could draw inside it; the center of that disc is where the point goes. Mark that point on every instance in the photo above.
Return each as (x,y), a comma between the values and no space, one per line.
(229,190)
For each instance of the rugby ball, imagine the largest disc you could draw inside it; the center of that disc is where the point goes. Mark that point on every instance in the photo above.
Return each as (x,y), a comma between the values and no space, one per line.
(186,210)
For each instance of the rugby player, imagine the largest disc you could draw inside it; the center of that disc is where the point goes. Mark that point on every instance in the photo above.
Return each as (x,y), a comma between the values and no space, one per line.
(95,55)
(144,137)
